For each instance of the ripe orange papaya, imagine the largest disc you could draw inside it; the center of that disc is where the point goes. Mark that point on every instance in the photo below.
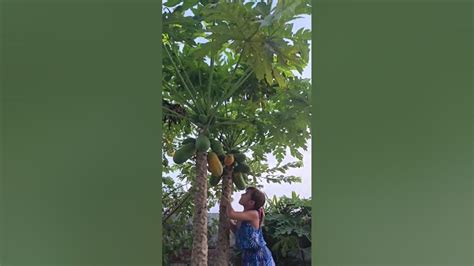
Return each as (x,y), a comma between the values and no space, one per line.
(229,159)
(214,165)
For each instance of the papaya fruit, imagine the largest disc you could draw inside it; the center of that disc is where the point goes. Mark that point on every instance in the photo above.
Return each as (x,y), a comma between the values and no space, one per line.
(214,180)
(240,157)
(189,140)
(243,168)
(184,153)
(216,146)
(214,165)
(229,159)
(202,143)
(238,180)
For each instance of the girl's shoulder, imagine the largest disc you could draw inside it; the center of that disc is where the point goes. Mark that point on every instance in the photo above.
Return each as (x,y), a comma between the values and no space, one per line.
(254,216)
(250,211)
(254,213)
(250,215)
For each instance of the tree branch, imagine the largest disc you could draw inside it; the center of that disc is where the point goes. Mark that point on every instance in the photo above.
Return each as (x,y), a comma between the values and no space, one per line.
(180,76)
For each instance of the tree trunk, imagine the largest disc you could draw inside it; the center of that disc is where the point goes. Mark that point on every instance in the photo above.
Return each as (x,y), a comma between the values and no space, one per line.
(223,252)
(200,249)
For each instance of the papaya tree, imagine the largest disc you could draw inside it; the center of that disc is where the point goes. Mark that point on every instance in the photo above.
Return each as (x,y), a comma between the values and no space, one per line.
(228,77)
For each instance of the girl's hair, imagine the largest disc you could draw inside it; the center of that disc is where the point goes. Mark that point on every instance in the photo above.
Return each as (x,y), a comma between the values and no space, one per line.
(259,198)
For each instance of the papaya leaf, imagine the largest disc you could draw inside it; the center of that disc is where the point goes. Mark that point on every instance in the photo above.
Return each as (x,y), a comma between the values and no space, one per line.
(171,3)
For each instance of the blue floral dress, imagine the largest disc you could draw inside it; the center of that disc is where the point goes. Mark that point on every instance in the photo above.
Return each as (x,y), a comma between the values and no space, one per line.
(254,248)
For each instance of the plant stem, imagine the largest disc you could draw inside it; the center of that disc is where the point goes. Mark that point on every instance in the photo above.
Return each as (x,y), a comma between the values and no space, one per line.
(181,77)
(239,83)
(235,69)
(185,74)
(236,86)
(211,74)
(173,113)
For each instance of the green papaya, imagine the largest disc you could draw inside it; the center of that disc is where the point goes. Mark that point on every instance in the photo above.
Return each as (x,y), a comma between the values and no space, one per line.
(238,180)
(214,180)
(184,153)
(216,147)
(189,140)
(202,143)
(243,168)
(240,157)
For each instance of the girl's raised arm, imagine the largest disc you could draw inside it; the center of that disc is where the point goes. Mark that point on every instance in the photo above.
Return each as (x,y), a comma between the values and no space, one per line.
(251,215)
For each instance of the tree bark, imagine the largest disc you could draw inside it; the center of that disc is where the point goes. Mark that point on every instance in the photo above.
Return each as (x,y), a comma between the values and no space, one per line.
(223,246)
(200,248)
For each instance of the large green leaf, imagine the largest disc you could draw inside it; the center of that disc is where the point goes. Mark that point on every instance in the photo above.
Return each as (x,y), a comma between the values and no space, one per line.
(171,3)
(189,3)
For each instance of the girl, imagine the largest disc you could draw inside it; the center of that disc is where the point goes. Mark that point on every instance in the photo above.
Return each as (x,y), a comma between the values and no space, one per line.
(247,229)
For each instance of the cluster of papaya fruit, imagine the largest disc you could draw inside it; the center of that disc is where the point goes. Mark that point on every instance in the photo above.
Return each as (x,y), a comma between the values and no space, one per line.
(216,159)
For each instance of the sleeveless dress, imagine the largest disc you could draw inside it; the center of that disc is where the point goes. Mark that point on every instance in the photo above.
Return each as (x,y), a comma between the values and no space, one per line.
(254,248)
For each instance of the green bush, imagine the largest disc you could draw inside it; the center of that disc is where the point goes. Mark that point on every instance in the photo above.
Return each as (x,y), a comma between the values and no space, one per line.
(177,213)
(287,229)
